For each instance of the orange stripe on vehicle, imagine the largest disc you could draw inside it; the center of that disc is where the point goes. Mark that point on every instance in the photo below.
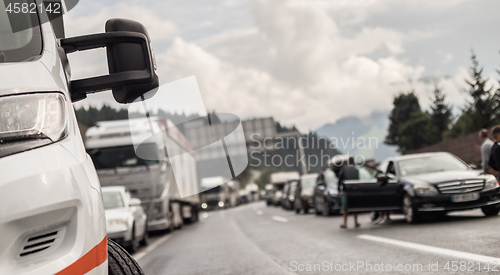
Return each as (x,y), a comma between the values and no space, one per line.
(94,258)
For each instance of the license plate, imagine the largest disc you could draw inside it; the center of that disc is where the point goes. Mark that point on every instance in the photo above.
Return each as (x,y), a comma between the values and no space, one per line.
(465,197)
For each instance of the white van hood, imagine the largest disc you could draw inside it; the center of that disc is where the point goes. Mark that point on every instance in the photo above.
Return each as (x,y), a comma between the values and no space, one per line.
(26,77)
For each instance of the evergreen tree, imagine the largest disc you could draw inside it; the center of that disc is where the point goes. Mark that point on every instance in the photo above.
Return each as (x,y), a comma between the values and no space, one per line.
(440,115)
(414,133)
(404,106)
(482,108)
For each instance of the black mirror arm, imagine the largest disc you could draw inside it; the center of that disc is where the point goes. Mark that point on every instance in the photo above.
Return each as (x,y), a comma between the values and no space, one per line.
(79,88)
(100,40)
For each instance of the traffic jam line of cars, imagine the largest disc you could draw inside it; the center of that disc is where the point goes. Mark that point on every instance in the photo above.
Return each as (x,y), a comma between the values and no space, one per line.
(417,186)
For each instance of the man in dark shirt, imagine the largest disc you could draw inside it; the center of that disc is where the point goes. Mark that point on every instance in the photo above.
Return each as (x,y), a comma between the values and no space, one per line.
(494,161)
(341,170)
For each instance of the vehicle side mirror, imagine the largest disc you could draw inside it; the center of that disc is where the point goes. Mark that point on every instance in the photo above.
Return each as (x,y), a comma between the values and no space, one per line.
(131,61)
(135,202)
(382,179)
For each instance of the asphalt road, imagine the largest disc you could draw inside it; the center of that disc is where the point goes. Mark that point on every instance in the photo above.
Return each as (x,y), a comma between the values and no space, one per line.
(256,239)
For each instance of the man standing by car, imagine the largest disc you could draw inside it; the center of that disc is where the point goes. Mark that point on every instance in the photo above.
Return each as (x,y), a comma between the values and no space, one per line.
(340,171)
(485,149)
(494,161)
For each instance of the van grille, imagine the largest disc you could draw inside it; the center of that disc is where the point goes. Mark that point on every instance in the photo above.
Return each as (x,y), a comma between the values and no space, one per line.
(40,242)
(462,186)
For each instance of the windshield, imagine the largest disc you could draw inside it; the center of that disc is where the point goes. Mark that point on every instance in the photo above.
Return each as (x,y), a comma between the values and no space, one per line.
(112,200)
(213,190)
(23,45)
(308,182)
(123,156)
(431,164)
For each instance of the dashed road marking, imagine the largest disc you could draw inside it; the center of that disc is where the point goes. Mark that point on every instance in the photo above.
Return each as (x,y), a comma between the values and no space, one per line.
(279,219)
(432,249)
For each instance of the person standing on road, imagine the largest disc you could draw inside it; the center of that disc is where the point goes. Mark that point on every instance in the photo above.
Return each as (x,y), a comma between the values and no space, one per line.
(485,150)
(494,161)
(340,171)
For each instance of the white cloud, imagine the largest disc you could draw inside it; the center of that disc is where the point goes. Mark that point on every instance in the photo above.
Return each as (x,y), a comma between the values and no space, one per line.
(295,62)
(93,63)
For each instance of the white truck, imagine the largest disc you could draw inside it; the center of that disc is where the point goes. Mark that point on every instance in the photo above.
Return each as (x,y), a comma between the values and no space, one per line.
(219,194)
(52,218)
(155,181)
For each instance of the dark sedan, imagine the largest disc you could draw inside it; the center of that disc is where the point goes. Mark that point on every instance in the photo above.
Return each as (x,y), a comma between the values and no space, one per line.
(421,184)
(304,193)
(326,194)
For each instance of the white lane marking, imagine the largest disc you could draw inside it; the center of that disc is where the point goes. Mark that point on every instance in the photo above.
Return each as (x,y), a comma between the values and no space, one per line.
(152,246)
(259,212)
(279,219)
(432,249)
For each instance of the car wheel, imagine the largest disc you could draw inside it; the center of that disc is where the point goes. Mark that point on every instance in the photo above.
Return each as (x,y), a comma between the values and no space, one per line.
(490,211)
(134,242)
(411,215)
(171,225)
(145,236)
(316,210)
(326,209)
(120,262)
(305,210)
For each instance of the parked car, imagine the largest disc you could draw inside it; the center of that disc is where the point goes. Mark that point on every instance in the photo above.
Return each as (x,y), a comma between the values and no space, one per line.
(125,218)
(277,196)
(421,184)
(304,193)
(290,199)
(326,194)
(278,181)
(284,196)
(269,194)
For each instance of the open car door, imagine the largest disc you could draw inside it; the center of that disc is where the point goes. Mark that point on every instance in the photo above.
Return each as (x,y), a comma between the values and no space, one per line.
(366,193)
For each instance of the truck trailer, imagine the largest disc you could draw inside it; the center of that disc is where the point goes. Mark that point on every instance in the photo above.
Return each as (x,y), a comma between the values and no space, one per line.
(154,179)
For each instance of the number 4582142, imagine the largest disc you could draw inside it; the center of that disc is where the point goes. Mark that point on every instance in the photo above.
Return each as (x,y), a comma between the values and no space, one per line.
(470,266)
(32,8)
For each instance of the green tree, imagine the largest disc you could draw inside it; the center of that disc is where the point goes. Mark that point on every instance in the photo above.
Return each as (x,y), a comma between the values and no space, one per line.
(482,108)
(414,133)
(404,106)
(460,127)
(440,115)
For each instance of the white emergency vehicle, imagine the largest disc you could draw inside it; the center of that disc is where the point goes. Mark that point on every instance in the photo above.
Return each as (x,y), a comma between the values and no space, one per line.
(52,217)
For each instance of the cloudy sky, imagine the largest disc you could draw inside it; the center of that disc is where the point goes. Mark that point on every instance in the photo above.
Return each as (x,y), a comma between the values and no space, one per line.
(305,62)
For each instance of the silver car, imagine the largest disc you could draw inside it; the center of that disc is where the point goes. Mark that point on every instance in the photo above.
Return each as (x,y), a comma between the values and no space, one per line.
(125,218)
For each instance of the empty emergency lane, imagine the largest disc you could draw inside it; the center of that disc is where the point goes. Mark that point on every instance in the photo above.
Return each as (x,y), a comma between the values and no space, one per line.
(250,240)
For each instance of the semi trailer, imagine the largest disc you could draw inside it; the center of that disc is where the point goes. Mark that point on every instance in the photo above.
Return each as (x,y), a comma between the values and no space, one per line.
(154,180)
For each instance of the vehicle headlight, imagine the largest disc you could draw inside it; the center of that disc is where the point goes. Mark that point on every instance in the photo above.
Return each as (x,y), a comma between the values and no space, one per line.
(31,120)
(204,205)
(426,190)
(333,192)
(491,183)
(221,204)
(117,222)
